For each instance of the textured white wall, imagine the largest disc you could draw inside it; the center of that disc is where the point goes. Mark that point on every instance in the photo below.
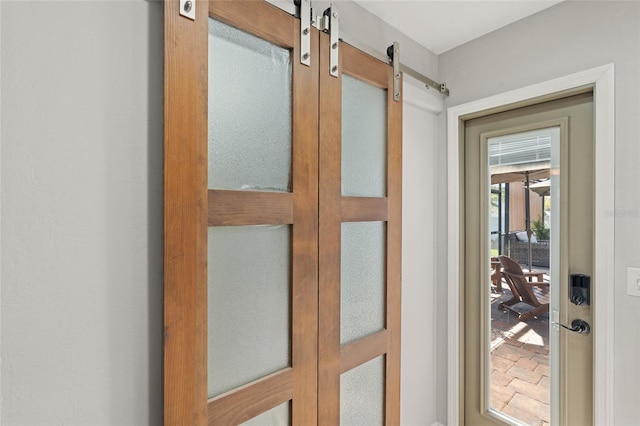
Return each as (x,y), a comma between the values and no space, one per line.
(81,214)
(419,283)
(570,37)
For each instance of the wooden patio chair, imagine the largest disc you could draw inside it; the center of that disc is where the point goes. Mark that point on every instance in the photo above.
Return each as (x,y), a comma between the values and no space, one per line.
(534,294)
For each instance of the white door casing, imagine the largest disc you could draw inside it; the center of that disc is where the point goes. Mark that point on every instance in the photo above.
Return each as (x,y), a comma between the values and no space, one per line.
(602,81)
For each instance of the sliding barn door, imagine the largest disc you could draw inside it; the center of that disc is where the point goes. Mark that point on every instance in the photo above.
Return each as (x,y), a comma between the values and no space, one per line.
(241,215)
(282,224)
(360,240)
(262,217)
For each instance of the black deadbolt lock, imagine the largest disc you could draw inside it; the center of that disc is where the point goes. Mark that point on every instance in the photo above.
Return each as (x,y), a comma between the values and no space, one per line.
(579,289)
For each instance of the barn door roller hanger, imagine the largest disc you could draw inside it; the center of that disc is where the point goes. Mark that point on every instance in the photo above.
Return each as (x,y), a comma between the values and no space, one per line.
(328,22)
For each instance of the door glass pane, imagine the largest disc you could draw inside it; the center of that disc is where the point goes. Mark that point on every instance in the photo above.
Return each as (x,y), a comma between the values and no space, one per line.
(519,344)
(249,111)
(362,283)
(249,304)
(364,139)
(277,416)
(362,394)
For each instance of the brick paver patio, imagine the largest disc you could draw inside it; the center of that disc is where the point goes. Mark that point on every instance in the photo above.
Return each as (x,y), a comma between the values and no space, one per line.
(520,366)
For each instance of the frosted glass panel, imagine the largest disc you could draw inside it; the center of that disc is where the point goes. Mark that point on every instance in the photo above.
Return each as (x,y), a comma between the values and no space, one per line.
(249,298)
(277,416)
(249,111)
(362,394)
(364,139)
(362,284)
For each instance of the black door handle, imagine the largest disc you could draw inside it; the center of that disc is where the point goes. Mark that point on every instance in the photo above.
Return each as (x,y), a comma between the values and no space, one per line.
(578,326)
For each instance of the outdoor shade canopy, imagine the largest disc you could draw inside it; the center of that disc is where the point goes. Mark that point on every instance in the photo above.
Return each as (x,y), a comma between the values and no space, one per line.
(518,172)
(543,188)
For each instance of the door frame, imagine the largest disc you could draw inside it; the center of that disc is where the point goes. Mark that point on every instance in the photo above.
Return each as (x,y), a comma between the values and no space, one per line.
(601,79)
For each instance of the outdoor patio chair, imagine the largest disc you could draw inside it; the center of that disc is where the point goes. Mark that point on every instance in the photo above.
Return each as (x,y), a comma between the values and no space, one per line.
(534,294)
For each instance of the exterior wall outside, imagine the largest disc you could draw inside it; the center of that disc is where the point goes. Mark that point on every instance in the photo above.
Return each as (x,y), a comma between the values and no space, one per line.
(519,251)
(516,206)
(564,39)
(81,213)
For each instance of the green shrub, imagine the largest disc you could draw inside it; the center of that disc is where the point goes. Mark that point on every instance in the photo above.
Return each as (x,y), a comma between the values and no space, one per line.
(540,230)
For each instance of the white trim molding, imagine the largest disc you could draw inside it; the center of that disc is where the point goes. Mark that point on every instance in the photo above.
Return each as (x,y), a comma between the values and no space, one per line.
(602,81)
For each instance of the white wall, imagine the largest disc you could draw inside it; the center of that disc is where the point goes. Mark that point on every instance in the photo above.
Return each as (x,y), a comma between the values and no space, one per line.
(570,37)
(81,213)
(419,279)
(81,283)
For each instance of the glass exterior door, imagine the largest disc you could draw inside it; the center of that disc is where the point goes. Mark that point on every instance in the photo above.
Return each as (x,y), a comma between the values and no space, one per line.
(520,349)
(282,233)
(520,367)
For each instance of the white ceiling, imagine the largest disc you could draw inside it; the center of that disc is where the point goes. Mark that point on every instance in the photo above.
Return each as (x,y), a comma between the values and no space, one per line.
(443,25)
